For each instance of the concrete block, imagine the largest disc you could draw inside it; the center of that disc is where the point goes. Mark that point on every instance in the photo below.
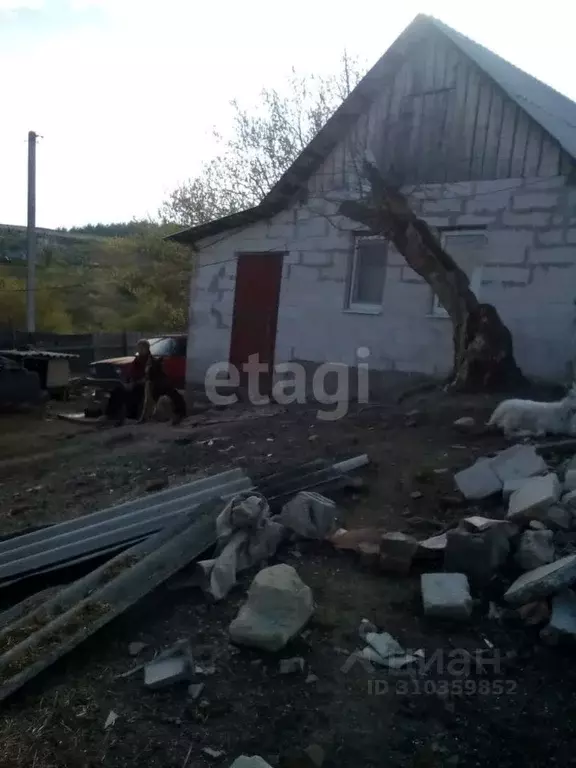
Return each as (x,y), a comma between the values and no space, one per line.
(512,485)
(532,219)
(478,555)
(506,274)
(508,246)
(250,762)
(443,205)
(553,237)
(317,258)
(570,475)
(473,220)
(534,497)
(489,203)
(433,547)
(446,595)
(558,518)
(518,461)
(542,581)
(563,618)
(571,236)
(279,604)
(159,674)
(569,499)
(527,201)
(437,221)
(478,481)
(560,255)
(536,548)
(397,551)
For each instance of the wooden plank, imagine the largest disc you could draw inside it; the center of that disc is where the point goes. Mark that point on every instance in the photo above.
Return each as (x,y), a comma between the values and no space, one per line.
(480,129)
(566,164)
(533,150)
(493,134)
(456,148)
(437,116)
(469,126)
(439,64)
(413,153)
(519,145)
(509,116)
(449,146)
(549,158)
(452,58)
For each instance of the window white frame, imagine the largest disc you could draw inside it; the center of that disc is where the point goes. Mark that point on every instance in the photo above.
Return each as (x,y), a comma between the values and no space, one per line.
(360,306)
(437,310)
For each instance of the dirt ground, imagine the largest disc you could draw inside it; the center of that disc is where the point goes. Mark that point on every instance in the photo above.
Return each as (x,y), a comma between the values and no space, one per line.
(524,714)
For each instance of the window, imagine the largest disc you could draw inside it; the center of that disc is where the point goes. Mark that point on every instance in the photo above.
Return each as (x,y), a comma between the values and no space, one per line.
(467,249)
(162,347)
(367,275)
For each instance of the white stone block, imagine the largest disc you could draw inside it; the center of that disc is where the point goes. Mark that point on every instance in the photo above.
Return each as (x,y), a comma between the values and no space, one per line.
(553,237)
(158,674)
(534,497)
(529,200)
(473,220)
(279,604)
(570,476)
(478,481)
(542,581)
(250,762)
(560,255)
(536,548)
(508,246)
(518,461)
(446,595)
(512,485)
(530,219)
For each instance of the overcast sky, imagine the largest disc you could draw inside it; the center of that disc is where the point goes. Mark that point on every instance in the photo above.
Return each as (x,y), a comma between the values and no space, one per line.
(125,92)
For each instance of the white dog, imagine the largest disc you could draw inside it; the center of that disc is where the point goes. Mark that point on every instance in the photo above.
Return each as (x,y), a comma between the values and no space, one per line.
(528,418)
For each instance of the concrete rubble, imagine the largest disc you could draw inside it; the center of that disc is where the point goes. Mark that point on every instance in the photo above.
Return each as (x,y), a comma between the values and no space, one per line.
(534,497)
(159,674)
(536,548)
(543,581)
(477,548)
(478,481)
(563,619)
(278,606)
(290,666)
(446,595)
(397,551)
(250,762)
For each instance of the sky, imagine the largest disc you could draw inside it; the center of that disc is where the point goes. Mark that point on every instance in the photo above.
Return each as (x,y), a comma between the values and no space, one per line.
(125,93)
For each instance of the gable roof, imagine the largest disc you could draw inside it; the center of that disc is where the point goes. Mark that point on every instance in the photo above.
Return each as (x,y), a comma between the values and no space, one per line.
(553,111)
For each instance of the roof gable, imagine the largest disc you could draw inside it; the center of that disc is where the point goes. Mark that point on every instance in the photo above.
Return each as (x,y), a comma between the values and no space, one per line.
(550,110)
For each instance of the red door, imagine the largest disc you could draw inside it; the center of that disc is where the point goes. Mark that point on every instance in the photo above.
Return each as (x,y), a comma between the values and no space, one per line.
(258,279)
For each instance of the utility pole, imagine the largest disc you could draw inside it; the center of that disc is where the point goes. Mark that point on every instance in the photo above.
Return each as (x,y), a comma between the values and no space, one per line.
(31,236)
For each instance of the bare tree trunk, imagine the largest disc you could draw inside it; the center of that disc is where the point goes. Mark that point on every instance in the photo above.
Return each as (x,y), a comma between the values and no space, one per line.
(483,350)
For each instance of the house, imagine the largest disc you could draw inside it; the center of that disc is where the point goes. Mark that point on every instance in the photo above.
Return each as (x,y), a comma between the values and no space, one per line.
(486,154)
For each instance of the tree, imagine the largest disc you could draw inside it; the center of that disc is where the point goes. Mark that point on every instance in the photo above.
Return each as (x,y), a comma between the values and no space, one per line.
(51,314)
(483,349)
(262,145)
(146,287)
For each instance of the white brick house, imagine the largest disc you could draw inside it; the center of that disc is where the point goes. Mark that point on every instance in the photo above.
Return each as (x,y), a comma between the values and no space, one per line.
(486,154)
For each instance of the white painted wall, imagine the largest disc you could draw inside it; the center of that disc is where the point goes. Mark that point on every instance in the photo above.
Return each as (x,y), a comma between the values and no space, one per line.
(529,275)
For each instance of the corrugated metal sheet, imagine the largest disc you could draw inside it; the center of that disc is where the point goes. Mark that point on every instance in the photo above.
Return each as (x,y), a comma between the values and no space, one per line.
(101,532)
(40,637)
(42,353)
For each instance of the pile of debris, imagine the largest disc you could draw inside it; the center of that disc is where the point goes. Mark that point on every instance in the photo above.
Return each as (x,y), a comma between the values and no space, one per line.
(524,553)
(149,540)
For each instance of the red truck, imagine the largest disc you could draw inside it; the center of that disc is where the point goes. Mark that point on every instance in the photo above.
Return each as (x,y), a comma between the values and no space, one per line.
(170,349)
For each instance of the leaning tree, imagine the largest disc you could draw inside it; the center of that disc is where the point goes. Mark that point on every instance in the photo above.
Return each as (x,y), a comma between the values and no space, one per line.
(483,349)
